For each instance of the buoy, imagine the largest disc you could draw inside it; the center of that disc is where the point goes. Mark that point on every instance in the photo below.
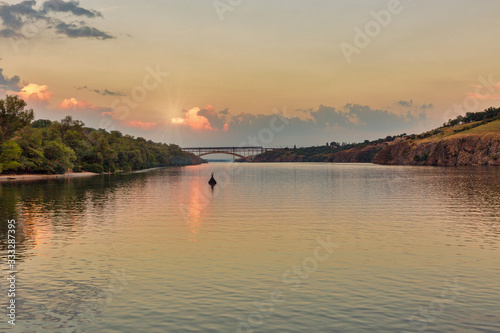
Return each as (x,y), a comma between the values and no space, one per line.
(212,181)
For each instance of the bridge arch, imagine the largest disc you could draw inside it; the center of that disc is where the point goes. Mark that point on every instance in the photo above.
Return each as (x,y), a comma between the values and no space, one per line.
(244,152)
(222,152)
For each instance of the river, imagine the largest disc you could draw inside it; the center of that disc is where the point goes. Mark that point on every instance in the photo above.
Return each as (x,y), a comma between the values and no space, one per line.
(292,247)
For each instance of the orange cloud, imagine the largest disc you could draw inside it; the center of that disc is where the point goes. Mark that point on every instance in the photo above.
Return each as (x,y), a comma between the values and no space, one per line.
(35,92)
(483,97)
(194,120)
(74,104)
(140,124)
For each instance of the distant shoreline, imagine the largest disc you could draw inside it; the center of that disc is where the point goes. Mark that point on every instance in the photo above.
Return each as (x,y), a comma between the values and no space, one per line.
(68,175)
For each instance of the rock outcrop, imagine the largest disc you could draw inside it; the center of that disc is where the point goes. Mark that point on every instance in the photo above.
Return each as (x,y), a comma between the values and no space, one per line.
(470,149)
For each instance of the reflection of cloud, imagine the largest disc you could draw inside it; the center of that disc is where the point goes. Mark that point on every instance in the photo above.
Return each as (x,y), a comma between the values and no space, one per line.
(36,93)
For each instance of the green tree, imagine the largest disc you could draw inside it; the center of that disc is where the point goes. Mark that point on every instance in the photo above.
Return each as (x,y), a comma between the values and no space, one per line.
(32,159)
(60,156)
(13,116)
(41,123)
(10,155)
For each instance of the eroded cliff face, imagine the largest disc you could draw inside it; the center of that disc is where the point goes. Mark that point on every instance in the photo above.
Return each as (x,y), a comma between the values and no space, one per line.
(470,149)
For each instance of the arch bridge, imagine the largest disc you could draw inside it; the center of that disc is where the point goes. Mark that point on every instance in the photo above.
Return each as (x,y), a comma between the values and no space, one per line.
(241,152)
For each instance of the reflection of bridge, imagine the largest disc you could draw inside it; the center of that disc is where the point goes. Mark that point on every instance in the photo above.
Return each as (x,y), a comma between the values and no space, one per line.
(242,152)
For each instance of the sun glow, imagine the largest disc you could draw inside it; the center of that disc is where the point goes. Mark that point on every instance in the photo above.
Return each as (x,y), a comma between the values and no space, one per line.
(35,92)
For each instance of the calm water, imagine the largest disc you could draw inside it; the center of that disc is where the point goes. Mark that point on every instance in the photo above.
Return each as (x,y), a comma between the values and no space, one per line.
(405,249)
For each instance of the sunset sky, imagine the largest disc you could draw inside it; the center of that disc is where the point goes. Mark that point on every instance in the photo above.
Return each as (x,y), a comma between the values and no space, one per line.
(214,72)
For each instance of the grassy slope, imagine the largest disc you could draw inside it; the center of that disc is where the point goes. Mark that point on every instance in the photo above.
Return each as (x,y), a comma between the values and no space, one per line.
(491,128)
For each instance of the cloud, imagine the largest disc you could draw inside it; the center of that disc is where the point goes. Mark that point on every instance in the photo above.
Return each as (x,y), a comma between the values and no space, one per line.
(142,125)
(406,104)
(208,126)
(11,84)
(104,92)
(9,33)
(488,97)
(35,93)
(217,120)
(107,92)
(17,16)
(427,106)
(196,121)
(81,30)
(69,7)
(74,104)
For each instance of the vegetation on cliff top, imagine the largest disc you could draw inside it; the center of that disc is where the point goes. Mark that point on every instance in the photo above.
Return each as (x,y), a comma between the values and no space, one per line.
(51,147)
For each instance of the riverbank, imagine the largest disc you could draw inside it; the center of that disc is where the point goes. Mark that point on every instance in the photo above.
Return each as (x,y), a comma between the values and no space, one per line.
(68,175)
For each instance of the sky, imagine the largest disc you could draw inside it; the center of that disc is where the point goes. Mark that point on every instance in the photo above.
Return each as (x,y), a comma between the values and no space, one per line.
(272,73)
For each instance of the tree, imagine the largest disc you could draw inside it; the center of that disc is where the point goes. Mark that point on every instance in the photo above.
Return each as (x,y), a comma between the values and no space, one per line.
(60,156)
(32,159)
(41,123)
(13,116)
(9,156)
(68,123)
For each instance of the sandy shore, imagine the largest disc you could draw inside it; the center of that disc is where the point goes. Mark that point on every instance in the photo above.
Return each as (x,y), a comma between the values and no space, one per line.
(68,175)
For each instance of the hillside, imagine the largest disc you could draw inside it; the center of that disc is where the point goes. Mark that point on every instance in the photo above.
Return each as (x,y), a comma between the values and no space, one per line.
(473,139)
(465,144)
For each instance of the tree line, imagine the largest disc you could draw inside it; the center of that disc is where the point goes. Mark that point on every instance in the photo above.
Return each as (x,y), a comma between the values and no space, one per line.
(54,147)
(485,116)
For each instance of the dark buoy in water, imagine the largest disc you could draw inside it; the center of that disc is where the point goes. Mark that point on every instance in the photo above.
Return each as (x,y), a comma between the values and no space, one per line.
(212,182)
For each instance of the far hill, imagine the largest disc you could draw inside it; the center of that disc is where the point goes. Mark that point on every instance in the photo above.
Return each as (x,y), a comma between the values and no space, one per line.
(473,139)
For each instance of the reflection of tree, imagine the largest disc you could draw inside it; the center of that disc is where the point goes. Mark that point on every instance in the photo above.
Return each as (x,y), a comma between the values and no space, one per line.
(40,206)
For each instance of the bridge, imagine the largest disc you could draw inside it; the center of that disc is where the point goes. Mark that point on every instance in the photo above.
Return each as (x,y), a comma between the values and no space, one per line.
(241,152)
